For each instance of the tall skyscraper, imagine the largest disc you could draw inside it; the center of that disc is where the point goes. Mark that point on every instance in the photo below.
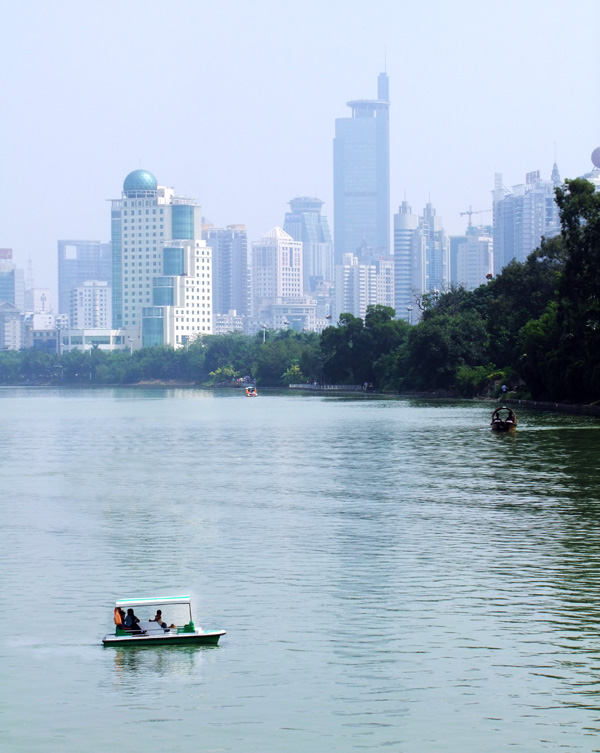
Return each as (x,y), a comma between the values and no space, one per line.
(522,216)
(143,220)
(361,176)
(78,262)
(231,268)
(306,223)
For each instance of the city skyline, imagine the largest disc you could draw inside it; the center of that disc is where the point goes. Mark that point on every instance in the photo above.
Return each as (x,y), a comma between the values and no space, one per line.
(493,90)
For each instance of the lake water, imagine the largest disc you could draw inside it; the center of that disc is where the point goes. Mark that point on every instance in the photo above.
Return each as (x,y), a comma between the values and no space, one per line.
(391,574)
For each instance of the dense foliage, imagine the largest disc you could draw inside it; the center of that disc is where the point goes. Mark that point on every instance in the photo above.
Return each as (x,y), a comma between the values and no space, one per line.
(535,327)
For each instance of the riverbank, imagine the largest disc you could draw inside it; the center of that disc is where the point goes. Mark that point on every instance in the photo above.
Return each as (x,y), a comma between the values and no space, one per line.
(571,408)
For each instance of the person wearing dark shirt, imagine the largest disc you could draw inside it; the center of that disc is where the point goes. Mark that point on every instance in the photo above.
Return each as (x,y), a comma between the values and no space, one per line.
(131,621)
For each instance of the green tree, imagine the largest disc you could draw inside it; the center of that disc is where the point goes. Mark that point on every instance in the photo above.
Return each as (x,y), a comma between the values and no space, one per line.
(578,312)
(439,345)
(292,375)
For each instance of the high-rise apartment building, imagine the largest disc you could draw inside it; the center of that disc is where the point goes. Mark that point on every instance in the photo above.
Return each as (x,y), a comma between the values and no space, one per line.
(436,246)
(475,258)
(305,223)
(231,269)
(361,176)
(91,305)
(523,216)
(359,285)
(11,327)
(276,270)
(143,220)
(421,257)
(78,261)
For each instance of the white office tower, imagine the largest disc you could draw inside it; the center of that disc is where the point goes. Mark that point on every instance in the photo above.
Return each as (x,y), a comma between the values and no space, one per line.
(145,218)
(359,285)
(475,259)
(276,270)
(181,296)
(523,216)
(405,225)
(91,305)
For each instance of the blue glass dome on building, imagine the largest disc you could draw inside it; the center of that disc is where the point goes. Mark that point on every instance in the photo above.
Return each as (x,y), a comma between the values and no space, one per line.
(139,182)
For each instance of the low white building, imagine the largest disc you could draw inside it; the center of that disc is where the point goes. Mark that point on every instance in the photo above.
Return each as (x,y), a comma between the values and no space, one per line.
(100,338)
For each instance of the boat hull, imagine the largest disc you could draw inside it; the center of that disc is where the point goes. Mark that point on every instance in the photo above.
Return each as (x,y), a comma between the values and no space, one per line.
(503,427)
(178,639)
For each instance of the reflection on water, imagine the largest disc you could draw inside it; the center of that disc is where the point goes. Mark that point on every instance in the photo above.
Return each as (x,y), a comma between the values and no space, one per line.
(138,666)
(390,573)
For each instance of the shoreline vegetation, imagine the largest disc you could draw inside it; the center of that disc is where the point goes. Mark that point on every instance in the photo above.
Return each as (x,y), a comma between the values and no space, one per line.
(529,336)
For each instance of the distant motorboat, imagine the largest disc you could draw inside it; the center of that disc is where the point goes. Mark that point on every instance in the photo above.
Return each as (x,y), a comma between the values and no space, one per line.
(251,392)
(504,421)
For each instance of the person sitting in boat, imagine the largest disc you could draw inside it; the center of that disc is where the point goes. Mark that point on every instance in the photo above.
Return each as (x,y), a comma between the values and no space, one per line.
(119,617)
(159,619)
(131,621)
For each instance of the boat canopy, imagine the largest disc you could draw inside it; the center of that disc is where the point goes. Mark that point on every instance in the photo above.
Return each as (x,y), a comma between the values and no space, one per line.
(152,602)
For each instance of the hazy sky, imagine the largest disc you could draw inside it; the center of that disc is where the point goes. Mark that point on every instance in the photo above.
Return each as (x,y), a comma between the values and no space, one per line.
(234,103)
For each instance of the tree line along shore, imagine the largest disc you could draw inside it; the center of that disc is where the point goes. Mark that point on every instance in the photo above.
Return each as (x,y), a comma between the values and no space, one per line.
(534,328)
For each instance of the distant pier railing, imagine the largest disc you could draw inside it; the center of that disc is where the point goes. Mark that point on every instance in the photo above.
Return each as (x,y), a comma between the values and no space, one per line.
(328,387)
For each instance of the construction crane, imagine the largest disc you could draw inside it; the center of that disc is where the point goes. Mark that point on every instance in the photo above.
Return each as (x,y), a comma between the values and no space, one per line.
(472,211)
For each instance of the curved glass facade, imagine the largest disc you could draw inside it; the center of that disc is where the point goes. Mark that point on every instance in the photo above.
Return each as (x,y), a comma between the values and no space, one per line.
(162,291)
(173,261)
(183,222)
(152,327)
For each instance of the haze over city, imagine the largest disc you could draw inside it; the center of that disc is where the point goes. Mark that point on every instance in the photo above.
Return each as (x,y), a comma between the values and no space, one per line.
(234,104)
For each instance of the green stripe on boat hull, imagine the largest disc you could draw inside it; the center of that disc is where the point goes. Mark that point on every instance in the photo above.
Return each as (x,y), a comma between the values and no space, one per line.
(203,639)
